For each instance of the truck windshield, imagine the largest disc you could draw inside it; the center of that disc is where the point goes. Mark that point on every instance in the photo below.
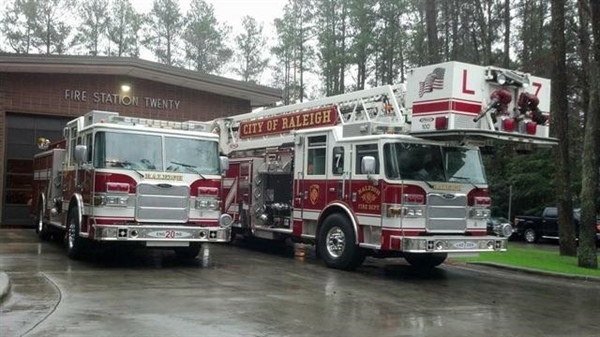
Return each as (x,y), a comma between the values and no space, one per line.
(145,152)
(433,163)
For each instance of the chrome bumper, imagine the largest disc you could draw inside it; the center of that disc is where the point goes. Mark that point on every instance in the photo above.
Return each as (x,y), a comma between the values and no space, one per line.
(161,233)
(453,244)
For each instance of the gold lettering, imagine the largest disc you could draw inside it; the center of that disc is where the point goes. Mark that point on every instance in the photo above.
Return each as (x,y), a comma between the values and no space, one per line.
(305,120)
(327,117)
(162,176)
(319,118)
(447,187)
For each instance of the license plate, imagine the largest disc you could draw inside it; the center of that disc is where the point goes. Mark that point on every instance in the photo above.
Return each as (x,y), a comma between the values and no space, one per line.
(169,234)
(464,245)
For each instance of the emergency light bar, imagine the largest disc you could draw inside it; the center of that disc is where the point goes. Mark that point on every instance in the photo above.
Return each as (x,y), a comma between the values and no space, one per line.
(98,116)
(155,123)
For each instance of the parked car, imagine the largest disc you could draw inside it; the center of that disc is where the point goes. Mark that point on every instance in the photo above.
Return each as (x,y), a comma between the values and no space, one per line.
(545,226)
(495,226)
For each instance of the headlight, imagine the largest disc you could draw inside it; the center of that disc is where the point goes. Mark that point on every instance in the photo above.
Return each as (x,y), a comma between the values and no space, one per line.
(412,211)
(212,204)
(480,213)
(115,200)
(225,220)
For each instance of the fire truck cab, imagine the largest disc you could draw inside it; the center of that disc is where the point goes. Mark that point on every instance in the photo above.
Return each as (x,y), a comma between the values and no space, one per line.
(392,171)
(116,179)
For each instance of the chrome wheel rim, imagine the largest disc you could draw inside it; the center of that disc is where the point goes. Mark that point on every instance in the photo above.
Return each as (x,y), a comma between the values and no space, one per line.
(336,242)
(40,223)
(529,236)
(71,233)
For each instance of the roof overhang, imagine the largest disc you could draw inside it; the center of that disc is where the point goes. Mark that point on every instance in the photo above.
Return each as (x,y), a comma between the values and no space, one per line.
(258,95)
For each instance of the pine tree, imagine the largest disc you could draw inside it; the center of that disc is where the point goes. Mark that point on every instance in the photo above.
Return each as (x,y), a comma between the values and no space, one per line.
(19,23)
(93,29)
(163,31)
(204,37)
(250,44)
(123,29)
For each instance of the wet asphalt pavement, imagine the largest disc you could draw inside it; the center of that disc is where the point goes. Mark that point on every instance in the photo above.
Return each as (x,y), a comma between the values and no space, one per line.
(255,289)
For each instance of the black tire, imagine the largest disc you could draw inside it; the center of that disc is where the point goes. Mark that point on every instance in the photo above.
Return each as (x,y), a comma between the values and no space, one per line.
(425,260)
(188,253)
(336,244)
(530,236)
(41,228)
(75,243)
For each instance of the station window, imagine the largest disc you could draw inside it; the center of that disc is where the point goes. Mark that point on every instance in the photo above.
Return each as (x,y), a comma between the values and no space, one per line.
(316,155)
(363,151)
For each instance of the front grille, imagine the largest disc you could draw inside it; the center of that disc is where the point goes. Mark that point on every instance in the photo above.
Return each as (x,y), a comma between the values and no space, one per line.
(162,203)
(446,213)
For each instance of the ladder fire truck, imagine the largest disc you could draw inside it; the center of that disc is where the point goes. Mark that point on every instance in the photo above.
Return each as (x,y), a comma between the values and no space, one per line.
(392,171)
(116,179)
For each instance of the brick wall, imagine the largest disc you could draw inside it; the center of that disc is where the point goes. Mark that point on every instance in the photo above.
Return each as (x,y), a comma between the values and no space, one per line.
(74,95)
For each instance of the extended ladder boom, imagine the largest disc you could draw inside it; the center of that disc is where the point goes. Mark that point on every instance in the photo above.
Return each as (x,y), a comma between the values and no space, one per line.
(381,106)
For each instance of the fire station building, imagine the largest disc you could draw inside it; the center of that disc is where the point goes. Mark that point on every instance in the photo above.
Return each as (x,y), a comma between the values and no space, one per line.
(39,94)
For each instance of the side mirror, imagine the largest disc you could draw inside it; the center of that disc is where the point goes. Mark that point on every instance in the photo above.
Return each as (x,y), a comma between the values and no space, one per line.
(224,163)
(80,154)
(367,165)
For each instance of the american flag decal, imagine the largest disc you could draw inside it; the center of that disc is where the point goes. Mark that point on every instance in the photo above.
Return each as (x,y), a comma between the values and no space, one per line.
(435,80)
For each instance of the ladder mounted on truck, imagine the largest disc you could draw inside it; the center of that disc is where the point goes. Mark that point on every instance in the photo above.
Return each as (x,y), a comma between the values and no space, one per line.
(369,111)
(451,102)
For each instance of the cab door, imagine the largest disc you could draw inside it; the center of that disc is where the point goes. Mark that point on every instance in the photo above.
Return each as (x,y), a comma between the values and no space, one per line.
(314,184)
(365,189)
(338,172)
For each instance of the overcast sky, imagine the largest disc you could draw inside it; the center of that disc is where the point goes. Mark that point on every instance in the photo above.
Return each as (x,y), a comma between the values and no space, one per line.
(232,11)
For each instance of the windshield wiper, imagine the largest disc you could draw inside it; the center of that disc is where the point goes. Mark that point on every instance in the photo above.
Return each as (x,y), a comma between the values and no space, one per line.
(422,178)
(467,180)
(189,167)
(126,165)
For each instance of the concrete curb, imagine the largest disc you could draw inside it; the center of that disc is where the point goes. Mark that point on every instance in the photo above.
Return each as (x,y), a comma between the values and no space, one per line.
(537,272)
(4,286)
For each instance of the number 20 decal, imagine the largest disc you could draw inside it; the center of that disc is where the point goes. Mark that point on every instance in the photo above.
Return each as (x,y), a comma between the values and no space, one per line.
(170,234)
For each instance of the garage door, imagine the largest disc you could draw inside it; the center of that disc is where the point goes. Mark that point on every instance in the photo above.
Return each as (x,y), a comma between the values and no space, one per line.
(21,134)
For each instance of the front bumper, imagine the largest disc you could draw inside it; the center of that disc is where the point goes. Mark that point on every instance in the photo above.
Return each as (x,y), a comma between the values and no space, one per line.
(161,233)
(453,244)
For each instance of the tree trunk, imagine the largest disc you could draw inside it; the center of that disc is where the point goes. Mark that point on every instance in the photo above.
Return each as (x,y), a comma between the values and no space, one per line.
(587,253)
(559,107)
(506,56)
(432,38)
(455,11)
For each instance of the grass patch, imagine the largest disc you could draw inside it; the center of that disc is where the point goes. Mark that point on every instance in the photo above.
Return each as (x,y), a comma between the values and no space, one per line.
(534,258)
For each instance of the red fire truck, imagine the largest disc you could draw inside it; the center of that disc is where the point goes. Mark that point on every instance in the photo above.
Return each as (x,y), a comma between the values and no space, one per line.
(131,180)
(392,171)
